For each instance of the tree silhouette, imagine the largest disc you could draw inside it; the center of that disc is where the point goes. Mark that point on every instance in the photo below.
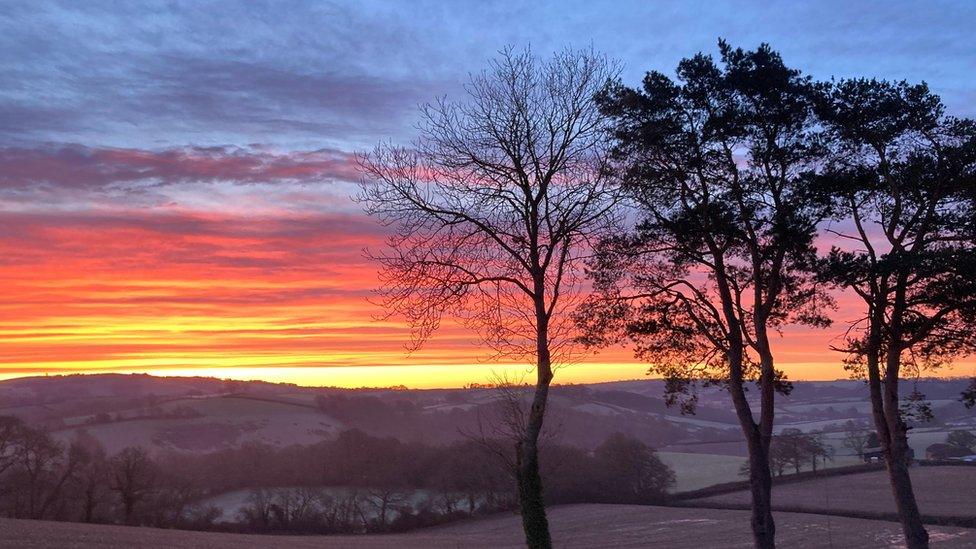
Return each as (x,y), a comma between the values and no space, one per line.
(631,471)
(902,179)
(492,211)
(92,477)
(12,430)
(723,253)
(854,437)
(132,474)
(962,439)
(968,396)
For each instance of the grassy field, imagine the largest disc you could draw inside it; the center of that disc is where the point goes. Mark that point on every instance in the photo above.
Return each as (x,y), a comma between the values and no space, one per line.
(221,422)
(945,491)
(573,526)
(694,471)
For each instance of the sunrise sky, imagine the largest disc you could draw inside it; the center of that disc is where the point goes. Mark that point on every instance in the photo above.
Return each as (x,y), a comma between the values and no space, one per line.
(175,182)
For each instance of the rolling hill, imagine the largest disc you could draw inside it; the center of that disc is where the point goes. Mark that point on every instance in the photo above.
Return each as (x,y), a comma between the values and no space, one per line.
(206,414)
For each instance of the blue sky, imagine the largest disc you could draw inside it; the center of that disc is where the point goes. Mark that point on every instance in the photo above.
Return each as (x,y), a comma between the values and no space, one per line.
(307,75)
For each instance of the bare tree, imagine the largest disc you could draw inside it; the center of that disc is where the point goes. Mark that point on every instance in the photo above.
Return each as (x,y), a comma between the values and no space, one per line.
(91,480)
(854,437)
(93,484)
(492,211)
(903,182)
(39,460)
(502,424)
(11,436)
(133,477)
(258,512)
(37,469)
(385,499)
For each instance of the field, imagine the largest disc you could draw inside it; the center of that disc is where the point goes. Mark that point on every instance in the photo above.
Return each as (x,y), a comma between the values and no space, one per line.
(944,491)
(572,526)
(694,471)
(215,422)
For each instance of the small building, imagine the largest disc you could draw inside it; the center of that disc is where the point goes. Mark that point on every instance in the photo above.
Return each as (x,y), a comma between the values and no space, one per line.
(876,454)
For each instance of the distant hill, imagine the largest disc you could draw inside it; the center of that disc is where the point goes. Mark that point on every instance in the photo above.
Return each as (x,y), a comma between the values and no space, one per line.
(201,414)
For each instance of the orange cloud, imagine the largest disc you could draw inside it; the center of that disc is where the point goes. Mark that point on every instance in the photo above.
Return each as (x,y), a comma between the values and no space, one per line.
(281,297)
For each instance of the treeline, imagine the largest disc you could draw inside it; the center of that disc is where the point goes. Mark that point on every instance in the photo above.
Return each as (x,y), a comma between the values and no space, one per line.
(43,478)
(351,484)
(407,418)
(792,449)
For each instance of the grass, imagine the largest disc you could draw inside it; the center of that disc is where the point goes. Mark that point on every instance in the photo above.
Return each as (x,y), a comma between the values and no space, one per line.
(940,491)
(241,420)
(573,526)
(694,471)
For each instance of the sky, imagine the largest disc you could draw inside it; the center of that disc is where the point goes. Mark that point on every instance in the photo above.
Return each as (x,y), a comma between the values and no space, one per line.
(175,177)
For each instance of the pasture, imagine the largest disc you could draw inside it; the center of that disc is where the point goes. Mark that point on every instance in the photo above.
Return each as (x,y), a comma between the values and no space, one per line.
(941,491)
(573,526)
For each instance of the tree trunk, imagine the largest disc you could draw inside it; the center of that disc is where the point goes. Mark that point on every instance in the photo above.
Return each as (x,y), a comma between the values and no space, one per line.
(128,506)
(761,486)
(758,436)
(896,458)
(760,476)
(531,502)
(89,505)
(534,520)
(916,537)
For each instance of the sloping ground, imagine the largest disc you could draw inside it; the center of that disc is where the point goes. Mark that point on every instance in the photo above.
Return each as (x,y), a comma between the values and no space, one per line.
(694,471)
(940,491)
(574,526)
(221,422)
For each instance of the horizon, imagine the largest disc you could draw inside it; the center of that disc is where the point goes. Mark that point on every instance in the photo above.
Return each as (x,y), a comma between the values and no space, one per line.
(174,184)
(203,376)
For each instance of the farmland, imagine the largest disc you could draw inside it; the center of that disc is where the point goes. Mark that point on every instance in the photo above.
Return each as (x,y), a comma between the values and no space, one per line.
(204,425)
(204,415)
(572,525)
(694,471)
(940,491)
(207,423)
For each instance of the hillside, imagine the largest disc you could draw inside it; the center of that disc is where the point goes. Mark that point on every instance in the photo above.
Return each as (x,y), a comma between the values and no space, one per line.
(205,414)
